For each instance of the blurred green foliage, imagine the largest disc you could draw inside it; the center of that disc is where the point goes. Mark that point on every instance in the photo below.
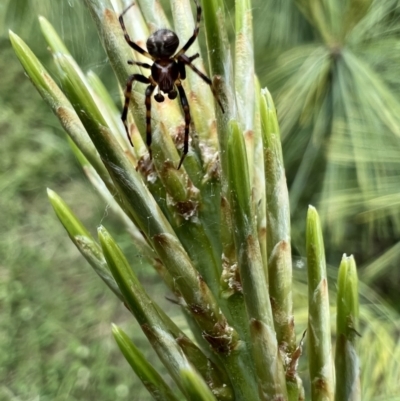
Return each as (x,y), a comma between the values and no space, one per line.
(332,68)
(55,315)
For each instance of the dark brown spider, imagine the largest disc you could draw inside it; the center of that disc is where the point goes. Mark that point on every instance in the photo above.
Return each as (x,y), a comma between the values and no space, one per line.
(167,72)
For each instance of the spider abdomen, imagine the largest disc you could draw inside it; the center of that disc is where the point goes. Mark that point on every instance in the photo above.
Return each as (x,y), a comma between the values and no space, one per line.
(162,43)
(165,74)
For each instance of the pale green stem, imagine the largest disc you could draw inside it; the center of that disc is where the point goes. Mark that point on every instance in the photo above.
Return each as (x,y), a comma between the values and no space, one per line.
(347,363)
(220,61)
(110,112)
(319,331)
(244,77)
(278,234)
(258,183)
(153,14)
(268,363)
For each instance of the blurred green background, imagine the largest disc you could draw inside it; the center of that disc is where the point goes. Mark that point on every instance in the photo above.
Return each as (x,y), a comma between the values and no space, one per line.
(337,97)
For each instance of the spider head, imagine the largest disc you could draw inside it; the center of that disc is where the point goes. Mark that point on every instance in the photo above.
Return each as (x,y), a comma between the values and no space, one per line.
(162,43)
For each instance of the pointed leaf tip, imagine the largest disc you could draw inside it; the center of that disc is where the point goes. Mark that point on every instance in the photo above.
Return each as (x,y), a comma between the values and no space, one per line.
(104,236)
(68,219)
(312,209)
(52,37)
(142,367)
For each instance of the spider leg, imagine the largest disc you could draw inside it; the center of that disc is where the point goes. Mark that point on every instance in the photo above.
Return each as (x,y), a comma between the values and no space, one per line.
(186,109)
(187,61)
(149,92)
(144,65)
(182,70)
(126,35)
(128,91)
(181,66)
(195,32)
(191,58)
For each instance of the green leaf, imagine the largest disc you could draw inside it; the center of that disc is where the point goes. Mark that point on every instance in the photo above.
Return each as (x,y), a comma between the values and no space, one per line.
(318,332)
(216,34)
(346,360)
(154,14)
(278,226)
(268,365)
(84,241)
(244,70)
(142,367)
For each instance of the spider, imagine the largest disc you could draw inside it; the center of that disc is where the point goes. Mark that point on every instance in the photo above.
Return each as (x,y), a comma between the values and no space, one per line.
(167,72)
